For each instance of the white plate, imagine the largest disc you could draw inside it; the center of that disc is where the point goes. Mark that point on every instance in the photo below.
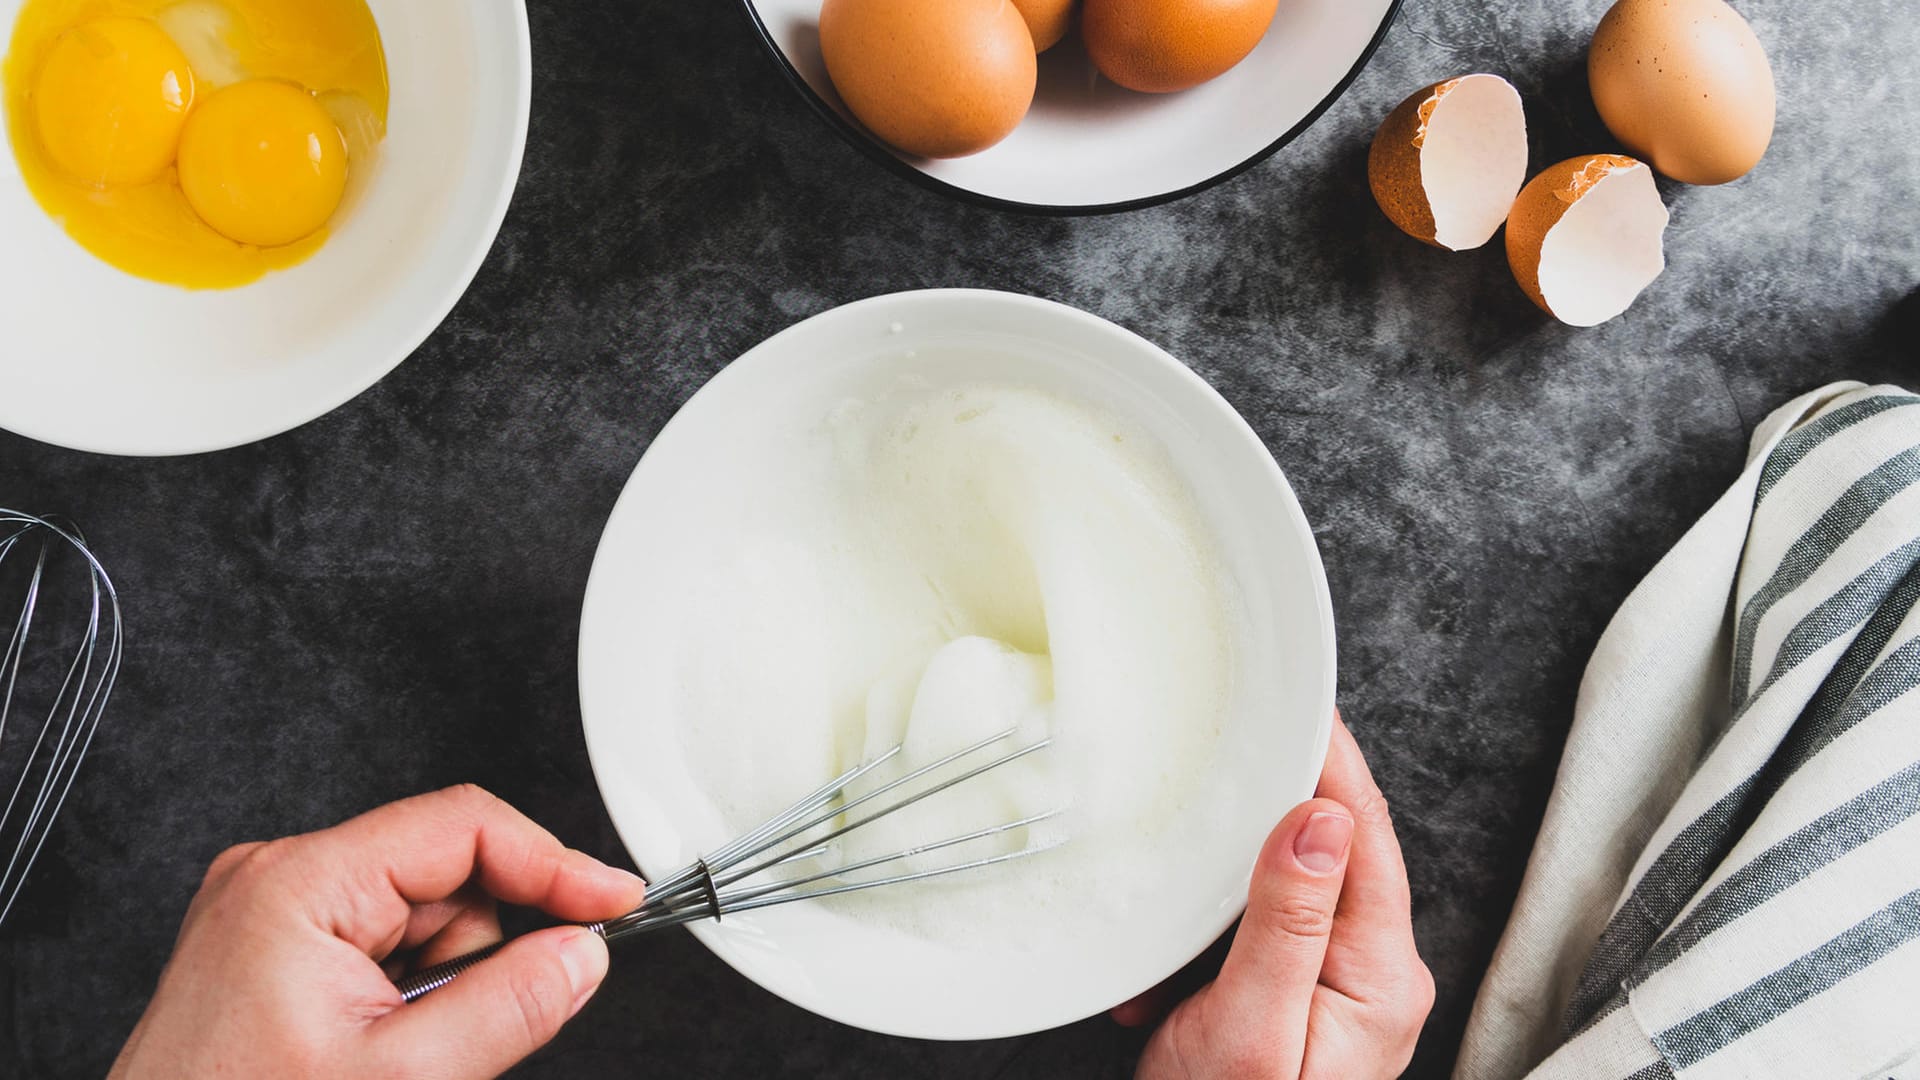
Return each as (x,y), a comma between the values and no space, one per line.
(1275,735)
(1089,146)
(95,359)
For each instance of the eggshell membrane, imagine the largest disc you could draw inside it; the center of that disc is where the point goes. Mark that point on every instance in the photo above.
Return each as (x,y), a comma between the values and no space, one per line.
(1047,20)
(1447,162)
(1584,238)
(1160,46)
(938,78)
(1685,85)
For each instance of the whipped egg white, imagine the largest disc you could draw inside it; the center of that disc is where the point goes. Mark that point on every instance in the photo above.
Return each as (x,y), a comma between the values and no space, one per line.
(928,567)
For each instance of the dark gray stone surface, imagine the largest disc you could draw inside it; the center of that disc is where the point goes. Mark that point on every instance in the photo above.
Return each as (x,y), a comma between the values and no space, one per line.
(385,601)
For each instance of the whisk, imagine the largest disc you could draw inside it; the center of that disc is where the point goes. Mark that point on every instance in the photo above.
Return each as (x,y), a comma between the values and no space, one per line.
(34,554)
(722,884)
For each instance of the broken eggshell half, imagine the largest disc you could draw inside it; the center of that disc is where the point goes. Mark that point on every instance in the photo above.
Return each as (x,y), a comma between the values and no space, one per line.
(1447,162)
(1585,237)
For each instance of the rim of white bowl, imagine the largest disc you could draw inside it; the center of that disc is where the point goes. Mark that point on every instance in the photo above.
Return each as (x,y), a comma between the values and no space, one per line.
(1243,433)
(406,343)
(867,144)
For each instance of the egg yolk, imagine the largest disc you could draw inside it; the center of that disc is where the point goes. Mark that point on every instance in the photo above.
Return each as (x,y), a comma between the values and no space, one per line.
(263,163)
(111,99)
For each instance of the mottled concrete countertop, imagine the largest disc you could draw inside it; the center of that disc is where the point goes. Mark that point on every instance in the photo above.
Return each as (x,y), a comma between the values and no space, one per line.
(385,600)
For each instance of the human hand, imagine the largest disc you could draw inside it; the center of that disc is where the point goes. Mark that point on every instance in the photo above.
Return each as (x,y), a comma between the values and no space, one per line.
(278,967)
(1323,979)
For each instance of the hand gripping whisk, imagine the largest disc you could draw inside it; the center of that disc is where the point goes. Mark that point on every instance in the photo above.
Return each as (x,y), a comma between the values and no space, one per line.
(724,882)
(36,563)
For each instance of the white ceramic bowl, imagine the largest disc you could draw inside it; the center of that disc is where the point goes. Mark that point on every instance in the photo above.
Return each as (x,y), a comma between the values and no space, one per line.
(95,359)
(872,976)
(1089,146)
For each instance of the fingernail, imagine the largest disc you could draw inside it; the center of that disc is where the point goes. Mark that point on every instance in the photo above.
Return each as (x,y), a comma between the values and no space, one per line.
(625,879)
(611,876)
(584,956)
(1322,841)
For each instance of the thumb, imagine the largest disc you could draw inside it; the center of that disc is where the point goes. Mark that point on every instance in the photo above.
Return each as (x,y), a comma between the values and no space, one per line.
(1252,1020)
(503,1009)
(1268,978)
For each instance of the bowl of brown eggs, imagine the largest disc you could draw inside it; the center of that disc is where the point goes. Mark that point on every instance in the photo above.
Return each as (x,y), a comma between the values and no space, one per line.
(1070,106)
(223,218)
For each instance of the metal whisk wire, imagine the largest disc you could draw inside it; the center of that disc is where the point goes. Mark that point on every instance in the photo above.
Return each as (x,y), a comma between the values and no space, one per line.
(73,716)
(719,883)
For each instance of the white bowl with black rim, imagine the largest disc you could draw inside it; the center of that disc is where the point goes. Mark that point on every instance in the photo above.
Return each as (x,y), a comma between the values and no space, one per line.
(1091,147)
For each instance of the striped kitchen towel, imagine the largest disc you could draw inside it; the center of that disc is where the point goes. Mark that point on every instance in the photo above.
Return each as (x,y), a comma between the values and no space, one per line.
(1727,880)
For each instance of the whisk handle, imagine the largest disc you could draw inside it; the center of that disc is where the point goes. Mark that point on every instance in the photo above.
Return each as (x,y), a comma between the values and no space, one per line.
(427,980)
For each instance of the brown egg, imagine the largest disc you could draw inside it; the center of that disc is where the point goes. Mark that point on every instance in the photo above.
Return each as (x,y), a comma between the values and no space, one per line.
(1684,85)
(937,78)
(1159,46)
(1047,20)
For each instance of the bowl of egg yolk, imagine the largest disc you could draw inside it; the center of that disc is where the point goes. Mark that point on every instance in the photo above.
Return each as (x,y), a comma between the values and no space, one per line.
(223,218)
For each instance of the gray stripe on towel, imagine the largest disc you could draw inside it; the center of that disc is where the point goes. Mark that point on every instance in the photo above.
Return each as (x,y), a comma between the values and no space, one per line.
(1862,499)
(1860,656)
(1659,1070)
(1613,1005)
(1656,898)
(1677,872)
(1828,837)
(1899,674)
(1808,437)
(1706,1033)
(1853,605)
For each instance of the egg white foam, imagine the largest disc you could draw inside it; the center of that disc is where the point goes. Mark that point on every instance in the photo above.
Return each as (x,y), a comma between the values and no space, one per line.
(927,567)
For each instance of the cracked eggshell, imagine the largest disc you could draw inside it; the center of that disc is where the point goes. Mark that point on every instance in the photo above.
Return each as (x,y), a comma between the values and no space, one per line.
(1447,162)
(1585,237)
